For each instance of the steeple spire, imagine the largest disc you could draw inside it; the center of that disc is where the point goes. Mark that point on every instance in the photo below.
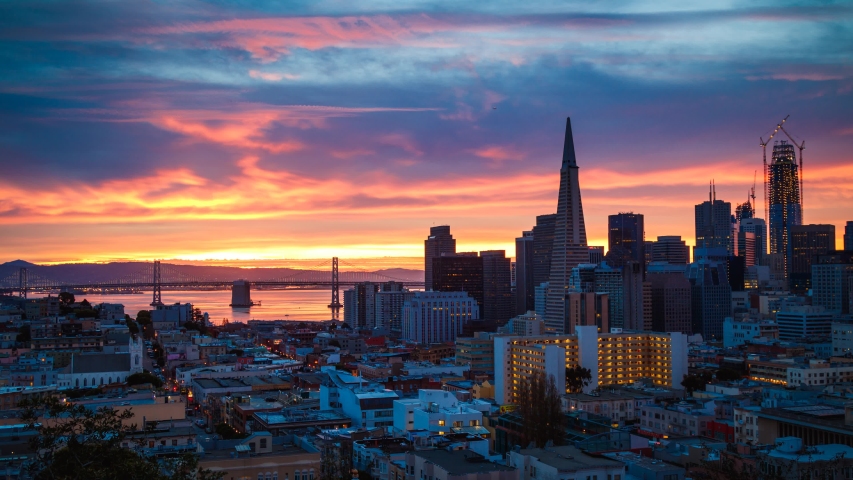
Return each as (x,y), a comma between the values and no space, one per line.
(569,159)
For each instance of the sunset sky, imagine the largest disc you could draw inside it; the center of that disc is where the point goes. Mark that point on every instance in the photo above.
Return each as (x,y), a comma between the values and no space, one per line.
(236,130)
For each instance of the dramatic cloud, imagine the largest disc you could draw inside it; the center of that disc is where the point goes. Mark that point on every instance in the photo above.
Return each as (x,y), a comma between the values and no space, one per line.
(217,130)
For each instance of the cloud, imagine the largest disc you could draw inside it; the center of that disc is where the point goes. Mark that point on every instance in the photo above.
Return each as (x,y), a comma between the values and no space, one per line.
(498,153)
(272,77)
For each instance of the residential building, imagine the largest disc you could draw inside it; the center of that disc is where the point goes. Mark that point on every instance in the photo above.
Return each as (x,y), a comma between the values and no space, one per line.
(438,243)
(742,331)
(570,245)
(617,404)
(455,465)
(807,242)
(683,420)
(842,338)
(437,317)
(439,411)
(368,404)
(478,351)
(262,456)
(530,323)
(563,462)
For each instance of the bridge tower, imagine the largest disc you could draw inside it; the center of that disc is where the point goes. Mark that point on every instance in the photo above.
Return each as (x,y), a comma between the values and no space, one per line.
(23,282)
(157,301)
(336,297)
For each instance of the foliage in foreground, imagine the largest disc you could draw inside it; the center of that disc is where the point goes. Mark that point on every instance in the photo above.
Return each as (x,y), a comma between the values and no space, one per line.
(75,442)
(540,406)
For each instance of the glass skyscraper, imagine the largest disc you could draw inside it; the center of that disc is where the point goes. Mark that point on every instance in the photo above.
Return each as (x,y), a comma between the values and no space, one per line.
(783,194)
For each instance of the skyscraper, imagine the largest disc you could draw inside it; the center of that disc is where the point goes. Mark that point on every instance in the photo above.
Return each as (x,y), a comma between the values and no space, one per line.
(633,297)
(757,227)
(807,242)
(784,199)
(671,305)
(497,306)
(711,296)
(596,254)
(524,293)
(626,235)
(543,244)
(671,249)
(486,278)
(439,242)
(848,237)
(714,224)
(570,248)
(459,272)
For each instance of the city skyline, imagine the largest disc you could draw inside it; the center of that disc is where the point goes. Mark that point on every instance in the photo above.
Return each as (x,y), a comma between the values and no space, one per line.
(255,135)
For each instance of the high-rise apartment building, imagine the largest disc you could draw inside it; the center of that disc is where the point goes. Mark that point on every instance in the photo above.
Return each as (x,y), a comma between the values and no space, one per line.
(543,244)
(437,317)
(807,242)
(360,305)
(388,305)
(758,228)
(671,249)
(612,358)
(570,247)
(626,235)
(438,243)
(498,305)
(671,305)
(633,292)
(783,198)
(524,286)
(713,220)
(711,297)
(848,237)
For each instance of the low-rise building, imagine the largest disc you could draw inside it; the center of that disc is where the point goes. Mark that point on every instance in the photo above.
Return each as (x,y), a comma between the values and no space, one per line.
(619,405)
(262,456)
(455,465)
(683,419)
(289,421)
(566,462)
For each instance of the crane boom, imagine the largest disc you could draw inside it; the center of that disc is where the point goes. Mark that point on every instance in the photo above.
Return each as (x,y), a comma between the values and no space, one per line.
(763,145)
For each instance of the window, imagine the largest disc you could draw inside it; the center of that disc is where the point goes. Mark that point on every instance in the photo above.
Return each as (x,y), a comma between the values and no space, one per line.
(174,442)
(263,443)
(441,423)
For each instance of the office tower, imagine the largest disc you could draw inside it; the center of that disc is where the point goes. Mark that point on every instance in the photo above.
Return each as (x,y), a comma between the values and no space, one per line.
(648,250)
(736,272)
(388,304)
(758,228)
(626,234)
(783,191)
(586,308)
(360,306)
(524,294)
(497,306)
(543,244)
(633,311)
(609,280)
(848,237)
(832,281)
(807,242)
(540,293)
(711,297)
(570,248)
(746,247)
(713,220)
(671,249)
(647,306)
(583,278)
(596,255)
(439,242)
(797,323)
(459,272)
(437,317)
(671,304)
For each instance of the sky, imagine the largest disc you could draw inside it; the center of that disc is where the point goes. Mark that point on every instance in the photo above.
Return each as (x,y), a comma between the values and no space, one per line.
(257,132)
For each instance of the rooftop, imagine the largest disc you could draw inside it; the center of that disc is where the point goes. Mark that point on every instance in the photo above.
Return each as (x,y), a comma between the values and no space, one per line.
(460,462)
(568,458)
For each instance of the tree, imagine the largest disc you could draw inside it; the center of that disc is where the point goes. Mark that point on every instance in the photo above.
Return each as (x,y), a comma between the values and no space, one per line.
(728,375)
(540,407)
(66,298)
(236,351)
(23,334)
(143,378)
(577,378)
(85,304)
(132,326)
(227,432)
(694,382)
(75,442)
(143,317)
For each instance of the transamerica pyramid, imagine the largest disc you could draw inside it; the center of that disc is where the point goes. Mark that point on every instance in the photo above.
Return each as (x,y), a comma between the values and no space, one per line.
(570,248)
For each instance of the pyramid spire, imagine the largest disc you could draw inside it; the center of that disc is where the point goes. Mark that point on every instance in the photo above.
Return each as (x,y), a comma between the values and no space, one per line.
(569,159)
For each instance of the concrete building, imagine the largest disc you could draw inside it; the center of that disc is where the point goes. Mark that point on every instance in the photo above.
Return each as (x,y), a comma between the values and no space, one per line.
(564,462)
(612,358)
(670,249)
(807,242)
(541,296)
(368,404)
(570,245)
(524,294)
(609,280)
(842,338)
(711,298)
(171,317)
(455,465)
(95,369)
(587,308)
(683,419)
(530,323)
(478,351)
(596,254)
(742,331)
(797,323)
(360,305)
(634,289)
(619,405)
(437,317)
(262,456)
(832,282)
(438,411)
(438,243)
(626,238)
(671,302)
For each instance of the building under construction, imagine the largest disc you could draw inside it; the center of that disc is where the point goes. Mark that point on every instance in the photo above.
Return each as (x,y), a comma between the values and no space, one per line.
(783,194)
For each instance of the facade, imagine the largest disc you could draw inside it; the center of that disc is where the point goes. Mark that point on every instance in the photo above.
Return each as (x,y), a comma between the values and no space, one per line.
(807,242)
(685,420)
(596,254)
(711,298)
(524,294)
(389,308)
(368,404)
(746,248)
(587,308)
(608,280)
(459,272)
(634,313)
(757,227)
(437,317)
(619,405)
(797,323)
(543,244)
(670,249)
(736,333)
(848,236)
(455,465)
(713,220)
(671,302)
(438,411)
(626,234)
(832,277)
(570,247)
(478,352)
(842,338)
(438,243)
(612,358)
(528,324)
(785,209)
(95,369)
(498,304)
(260,456)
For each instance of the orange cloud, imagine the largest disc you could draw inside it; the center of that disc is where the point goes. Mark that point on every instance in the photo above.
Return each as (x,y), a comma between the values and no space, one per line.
(498,153)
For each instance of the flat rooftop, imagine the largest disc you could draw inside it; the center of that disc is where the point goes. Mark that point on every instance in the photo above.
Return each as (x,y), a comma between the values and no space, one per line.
(568,458)
(461,462)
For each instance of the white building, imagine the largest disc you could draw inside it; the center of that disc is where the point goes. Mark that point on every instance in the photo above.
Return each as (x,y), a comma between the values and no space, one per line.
(437,317)
(842,338)
(438,411)
(528,324)
(563,463)
(738,332)
(368,404)
(95,369)
(819,373)
(800,322)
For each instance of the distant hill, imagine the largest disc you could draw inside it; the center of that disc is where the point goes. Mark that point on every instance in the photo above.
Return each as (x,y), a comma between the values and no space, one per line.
(142,271)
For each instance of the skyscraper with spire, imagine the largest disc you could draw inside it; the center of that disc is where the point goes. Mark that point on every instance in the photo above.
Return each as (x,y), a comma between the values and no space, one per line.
(570,247)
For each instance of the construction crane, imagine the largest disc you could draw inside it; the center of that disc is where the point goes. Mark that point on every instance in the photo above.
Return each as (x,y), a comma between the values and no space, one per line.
(752,192)
(764,153)
(801,147)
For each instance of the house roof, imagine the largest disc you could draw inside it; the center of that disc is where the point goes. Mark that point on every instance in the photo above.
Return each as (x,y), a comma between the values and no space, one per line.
(100,363)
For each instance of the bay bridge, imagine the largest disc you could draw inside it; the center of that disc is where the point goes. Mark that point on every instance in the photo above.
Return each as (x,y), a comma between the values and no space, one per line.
(155,277)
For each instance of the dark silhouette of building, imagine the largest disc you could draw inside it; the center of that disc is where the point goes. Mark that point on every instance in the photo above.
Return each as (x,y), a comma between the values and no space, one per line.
(671,304)
(543,244)
(758,228)
(626,233)
(783,188)
(596,254)
(524,286)
(439,242)
(848,236)
(671,249)
(711,297)
(486,278)
(570,247)
(736,272)
(713,220)
(633,296)
(807,242)
(497,294)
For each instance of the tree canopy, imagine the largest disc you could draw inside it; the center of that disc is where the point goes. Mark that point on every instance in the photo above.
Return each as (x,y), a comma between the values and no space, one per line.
(143,378)
(80,443)
(577,378)
(540,406)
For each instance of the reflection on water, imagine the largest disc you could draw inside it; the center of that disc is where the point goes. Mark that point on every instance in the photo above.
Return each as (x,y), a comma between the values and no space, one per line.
(311,305)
